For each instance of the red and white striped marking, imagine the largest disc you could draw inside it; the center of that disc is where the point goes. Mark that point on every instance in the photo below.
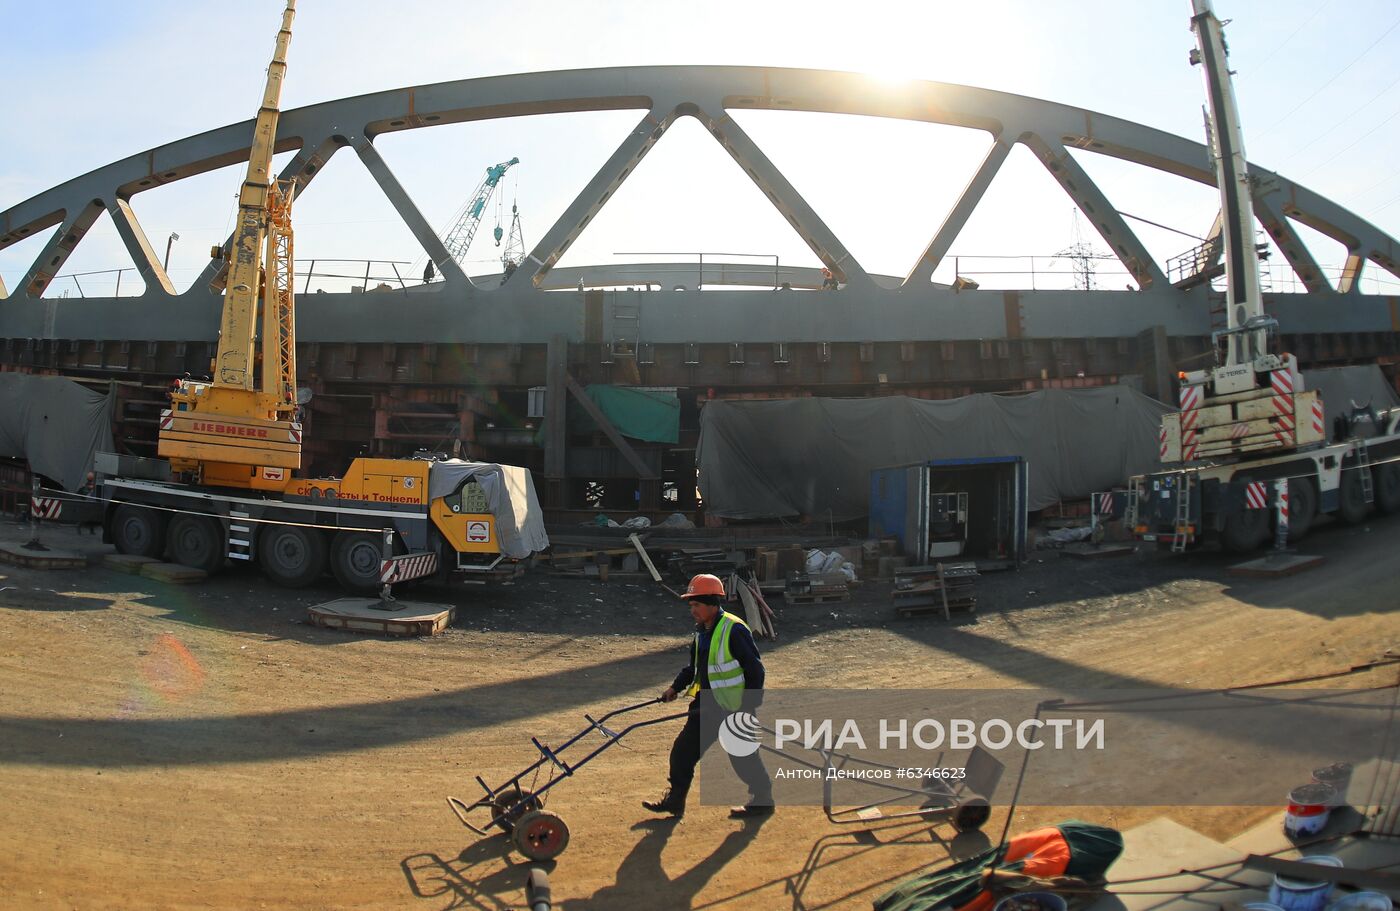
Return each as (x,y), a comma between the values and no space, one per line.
(294,433)
(1105,504)
(407,566)
(1282,488)
(1188,445)
(1282,383)
(45,507)
(1239,431)
(1256,495)
(1317,422)
(1162,444)
(167,420)
(1190,406)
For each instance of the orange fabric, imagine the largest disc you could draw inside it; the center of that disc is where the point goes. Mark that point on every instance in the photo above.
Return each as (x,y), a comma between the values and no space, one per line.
(1044,853)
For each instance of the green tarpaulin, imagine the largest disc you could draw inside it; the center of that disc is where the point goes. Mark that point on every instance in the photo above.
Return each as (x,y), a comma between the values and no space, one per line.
(641,414)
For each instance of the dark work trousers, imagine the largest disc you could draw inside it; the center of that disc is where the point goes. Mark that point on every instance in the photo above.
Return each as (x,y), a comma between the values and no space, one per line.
(692,742)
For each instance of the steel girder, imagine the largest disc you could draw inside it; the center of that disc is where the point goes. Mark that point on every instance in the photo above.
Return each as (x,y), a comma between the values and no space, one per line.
(867,308)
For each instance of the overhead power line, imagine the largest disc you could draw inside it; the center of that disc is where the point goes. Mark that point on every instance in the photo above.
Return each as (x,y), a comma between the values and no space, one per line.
(1339,73)
(1321,134)
(1293,34)
(1353,145)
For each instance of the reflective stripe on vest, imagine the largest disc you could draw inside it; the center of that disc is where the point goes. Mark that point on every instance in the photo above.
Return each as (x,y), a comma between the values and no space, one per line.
(725,675)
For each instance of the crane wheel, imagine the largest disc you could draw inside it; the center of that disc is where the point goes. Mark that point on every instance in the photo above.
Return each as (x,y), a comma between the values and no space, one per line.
(1388,488)
(1245,530)
(355,559)
(196,541)
(1352,507)
(291,556)
(137,531)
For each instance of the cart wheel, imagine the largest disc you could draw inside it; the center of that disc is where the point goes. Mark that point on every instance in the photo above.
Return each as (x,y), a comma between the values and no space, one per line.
(972,814)
(540,835)
(507,799)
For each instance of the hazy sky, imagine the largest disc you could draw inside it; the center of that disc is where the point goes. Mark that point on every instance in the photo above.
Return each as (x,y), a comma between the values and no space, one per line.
(92,82)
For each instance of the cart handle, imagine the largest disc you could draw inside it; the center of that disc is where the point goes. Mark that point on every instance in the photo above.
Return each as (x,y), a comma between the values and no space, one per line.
(630,708)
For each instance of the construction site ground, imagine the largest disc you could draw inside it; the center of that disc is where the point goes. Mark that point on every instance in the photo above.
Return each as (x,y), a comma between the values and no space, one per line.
(202,746)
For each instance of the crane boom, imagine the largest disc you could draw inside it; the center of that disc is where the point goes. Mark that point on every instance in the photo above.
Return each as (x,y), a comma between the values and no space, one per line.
(459,237)
(233,363)
(238,428)
(1243,302)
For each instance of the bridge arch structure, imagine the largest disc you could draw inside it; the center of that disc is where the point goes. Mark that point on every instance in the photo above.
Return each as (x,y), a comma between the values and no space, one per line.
(470,346)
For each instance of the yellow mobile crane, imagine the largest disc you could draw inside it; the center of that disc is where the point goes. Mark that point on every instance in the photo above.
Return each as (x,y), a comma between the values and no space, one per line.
(225,488)
(236,431)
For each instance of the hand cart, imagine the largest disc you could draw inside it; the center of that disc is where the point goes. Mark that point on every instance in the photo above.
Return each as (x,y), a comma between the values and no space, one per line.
(518,810)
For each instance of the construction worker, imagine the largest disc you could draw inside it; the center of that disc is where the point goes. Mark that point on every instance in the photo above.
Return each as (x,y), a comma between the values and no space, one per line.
(724,660)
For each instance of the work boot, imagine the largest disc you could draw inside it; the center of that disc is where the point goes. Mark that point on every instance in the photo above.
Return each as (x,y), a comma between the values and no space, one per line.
(671,803)
(752,810)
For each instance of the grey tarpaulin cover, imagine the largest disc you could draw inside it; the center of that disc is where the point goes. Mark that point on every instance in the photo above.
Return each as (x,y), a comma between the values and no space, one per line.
(1341,386)
(510,494)
(55,424)
(813,456)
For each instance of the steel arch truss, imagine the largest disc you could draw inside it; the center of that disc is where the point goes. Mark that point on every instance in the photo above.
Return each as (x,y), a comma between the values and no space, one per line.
(911,307)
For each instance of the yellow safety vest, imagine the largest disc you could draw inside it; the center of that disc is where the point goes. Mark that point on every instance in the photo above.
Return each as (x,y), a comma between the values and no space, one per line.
(725,675)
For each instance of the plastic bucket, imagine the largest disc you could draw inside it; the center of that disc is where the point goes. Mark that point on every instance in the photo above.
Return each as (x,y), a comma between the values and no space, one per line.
(1031,901)
(1362,901)
(1298,895)
(1338,775)
(1309,806)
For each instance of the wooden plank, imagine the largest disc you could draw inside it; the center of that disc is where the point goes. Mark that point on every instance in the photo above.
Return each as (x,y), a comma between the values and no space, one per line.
(646,558)
(583,554)
(751,612)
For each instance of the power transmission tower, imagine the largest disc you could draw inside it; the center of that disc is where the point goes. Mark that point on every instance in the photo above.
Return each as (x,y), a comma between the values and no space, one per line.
(1082,256)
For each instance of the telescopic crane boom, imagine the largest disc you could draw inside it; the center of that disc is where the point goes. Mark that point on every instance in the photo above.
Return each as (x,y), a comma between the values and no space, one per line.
(1247,330)
(238,428)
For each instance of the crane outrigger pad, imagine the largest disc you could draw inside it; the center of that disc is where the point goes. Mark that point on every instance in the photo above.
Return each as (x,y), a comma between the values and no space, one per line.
(371,615)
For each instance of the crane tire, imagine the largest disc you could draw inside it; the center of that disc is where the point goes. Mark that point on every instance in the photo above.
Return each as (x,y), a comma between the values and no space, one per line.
(355,559)
(196,541)
(1245,530)
(292,556)
(1388,488)
(138,532)
(1352,507)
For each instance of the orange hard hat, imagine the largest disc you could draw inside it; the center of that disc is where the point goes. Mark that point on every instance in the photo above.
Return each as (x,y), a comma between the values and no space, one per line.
(704,584)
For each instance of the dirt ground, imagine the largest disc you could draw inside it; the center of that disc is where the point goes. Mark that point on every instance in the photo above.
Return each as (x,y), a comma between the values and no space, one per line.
(203,747)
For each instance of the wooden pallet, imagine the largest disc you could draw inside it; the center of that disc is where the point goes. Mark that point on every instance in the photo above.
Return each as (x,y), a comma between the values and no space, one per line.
(816,588)
(831,598)
(939,589)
